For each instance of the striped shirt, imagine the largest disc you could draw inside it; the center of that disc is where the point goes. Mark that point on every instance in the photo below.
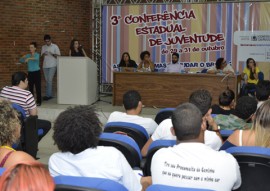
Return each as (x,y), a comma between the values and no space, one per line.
(22,97)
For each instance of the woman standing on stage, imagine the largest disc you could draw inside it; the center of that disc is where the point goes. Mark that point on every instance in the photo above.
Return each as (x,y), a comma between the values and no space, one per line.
(76,49)
(34,76)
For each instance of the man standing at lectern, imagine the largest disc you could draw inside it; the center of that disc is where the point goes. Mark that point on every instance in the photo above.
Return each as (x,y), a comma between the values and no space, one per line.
(50,52)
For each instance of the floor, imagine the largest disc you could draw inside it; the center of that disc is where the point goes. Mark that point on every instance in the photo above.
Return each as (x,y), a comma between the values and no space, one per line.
(49,110)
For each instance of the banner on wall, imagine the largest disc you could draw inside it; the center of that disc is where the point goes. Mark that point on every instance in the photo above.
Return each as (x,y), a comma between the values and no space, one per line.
(200,33)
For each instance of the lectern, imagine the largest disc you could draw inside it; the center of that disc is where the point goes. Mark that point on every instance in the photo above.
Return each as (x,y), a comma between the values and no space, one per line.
(76,80)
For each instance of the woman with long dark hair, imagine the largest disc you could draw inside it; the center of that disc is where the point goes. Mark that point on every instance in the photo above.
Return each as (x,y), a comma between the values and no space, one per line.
(250,75)
(126,61)
(76,49)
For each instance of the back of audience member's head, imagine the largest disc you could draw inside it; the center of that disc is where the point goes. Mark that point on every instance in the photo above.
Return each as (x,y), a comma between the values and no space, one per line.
(245,107)
(76,129)
(131,99)
(27,177)
(17,77)
(201,99)
(226,98)
(261,125)
(10,124)
(263,90)
(187,120)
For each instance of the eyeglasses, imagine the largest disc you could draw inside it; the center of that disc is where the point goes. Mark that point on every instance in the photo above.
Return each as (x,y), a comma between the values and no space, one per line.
(47,40)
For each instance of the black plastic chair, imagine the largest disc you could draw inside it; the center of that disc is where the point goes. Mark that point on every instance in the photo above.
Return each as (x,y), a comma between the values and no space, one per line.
(254,165)
(153,148)
(126,145)
(136,132)
(29,132)
(76,183)
(163,114)
(159,187)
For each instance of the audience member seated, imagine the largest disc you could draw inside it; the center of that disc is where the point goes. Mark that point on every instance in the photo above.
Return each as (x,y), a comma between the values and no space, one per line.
(191,163)
(240,118)
(250,76)
(126,61)
(221,66)
(202,99)
(258,135)
(226,103)
(10,133)
(27,177)
(146,65)
(18,94)
(262,92)
(133,106)
(76,134)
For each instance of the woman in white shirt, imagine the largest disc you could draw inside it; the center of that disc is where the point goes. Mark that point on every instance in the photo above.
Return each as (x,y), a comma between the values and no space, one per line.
(221,66)
(146,65)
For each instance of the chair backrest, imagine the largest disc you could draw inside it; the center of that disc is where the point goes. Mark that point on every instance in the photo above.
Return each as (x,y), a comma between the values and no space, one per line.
(136,132)
(204,70)
(30,131)
(260,76)
(254,165)
(19,109)
(153,148)
(225,134)
(163,114)
(73,183)
(124,144)
(159,187)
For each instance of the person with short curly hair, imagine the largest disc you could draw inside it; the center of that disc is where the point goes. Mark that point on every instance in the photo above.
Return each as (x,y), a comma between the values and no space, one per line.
(27,177)
(76,134)
(146,65)
(10,134)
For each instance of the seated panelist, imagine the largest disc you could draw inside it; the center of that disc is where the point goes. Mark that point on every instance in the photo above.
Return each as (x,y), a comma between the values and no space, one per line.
(221,66)
(127,62)
(146,65)
(175,66)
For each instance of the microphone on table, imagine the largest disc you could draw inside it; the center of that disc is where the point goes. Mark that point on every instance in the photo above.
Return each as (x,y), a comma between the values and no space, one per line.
(227,78)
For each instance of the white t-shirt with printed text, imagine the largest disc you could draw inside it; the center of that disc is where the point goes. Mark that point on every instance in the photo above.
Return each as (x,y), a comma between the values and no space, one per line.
(149,124)
(163,132)
(195,165)
(101,162)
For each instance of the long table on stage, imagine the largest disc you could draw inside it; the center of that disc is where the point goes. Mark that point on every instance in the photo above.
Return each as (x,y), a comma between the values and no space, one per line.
(170,89)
